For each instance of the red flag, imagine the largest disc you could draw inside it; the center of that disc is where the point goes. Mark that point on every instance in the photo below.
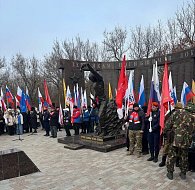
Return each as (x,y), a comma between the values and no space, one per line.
(47,97)
(122,85)
(165,97)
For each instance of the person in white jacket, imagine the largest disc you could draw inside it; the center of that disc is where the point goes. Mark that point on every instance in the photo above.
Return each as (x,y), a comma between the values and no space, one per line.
(10,121)
(19,122)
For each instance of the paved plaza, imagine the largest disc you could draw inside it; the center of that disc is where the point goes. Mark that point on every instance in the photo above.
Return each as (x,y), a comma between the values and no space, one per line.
(64,169)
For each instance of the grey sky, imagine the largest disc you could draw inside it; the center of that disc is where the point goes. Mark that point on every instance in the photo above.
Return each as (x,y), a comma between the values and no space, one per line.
(31,26)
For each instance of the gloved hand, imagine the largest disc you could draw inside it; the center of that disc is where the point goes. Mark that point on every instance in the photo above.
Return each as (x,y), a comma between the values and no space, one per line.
(150,130)
(150,119)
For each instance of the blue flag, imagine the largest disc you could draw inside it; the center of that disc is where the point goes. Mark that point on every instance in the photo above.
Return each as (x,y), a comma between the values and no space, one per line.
(23,103)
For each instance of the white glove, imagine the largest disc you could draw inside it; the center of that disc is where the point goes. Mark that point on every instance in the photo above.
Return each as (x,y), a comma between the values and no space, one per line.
(150,119)
(150,130)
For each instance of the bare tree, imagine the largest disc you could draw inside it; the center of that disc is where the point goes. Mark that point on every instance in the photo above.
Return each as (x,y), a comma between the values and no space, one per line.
(136,44)
(26,74)
(115,43)
(185,18)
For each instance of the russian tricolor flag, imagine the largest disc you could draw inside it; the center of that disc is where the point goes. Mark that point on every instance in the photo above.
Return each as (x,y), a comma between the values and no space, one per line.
(154,89)
(186,94)
(142,98)
(9,97)
(28,100)
(19,93)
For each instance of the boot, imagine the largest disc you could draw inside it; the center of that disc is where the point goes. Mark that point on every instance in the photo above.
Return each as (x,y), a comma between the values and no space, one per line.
(155,159)
(182,175)
(150,159)
(163,161)
(170,175)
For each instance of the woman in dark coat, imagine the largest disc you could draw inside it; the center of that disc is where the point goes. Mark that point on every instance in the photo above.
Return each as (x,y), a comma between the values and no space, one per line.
(33,120)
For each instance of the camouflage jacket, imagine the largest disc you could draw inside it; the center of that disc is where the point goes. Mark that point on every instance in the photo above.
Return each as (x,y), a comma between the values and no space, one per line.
(180,126)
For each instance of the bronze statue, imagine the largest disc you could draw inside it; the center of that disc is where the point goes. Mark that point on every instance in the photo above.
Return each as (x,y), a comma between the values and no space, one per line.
(109,123)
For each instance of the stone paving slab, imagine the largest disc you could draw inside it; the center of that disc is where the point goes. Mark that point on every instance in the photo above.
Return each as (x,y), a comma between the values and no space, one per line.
(64,169)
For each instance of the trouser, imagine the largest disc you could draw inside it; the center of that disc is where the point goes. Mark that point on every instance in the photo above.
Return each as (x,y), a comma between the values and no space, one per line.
(19,129)
(135,138)
(183,159)
(11,130)
(154,143)
(67,129)
(76,128)
(127,138)
(46,126)
(92,124)
(53,130)
(145,141)
(1,129)
(191,159)
(86,126)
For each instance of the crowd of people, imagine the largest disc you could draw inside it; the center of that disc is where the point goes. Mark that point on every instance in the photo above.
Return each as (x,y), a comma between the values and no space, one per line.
(81,120)
(178,136)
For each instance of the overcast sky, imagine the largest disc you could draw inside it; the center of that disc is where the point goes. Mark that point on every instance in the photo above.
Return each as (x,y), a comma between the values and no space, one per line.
(31,26)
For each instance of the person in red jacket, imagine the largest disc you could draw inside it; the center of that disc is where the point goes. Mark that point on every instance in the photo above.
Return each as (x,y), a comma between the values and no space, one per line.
(76,119)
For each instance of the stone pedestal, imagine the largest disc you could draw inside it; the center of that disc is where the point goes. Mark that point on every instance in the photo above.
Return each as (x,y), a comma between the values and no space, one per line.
(15,163)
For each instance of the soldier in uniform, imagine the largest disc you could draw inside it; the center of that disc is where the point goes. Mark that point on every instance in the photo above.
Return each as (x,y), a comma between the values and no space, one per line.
(136,128)
(182,125)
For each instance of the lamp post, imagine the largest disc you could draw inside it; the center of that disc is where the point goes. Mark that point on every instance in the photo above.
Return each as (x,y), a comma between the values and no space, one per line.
(61,70)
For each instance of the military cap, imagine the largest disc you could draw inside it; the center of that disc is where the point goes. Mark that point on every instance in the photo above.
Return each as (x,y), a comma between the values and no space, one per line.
(178,105)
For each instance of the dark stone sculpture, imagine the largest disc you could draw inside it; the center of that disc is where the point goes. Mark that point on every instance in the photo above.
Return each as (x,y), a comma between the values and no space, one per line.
(109,123)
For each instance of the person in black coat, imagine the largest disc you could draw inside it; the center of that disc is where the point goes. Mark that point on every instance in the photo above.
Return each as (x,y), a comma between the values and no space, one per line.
(33,120)
(67,121)
(2,122)
(54,115)
(46,117)
(154,133)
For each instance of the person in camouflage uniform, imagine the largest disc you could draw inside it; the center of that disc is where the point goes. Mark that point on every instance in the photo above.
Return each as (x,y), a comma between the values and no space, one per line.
(136,128)
(181,124)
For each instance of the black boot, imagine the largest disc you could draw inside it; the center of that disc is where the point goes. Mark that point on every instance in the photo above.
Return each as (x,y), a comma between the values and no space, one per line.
(163,161)
(155,159)
(170,175)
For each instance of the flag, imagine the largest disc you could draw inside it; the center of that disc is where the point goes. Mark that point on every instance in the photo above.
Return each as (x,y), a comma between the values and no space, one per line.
(60,119)
(154,90)
(171,92)
(122,87)
(40,101)
(19,93)
(85,98)
(69,100)
(109,91)
(142,99)
(186,94)
(10,98)
(47,97)
(175,95)
(129,95)
(3,105)
(28,100)
(23,107)
(78,98)
(193,90)
(165,97)
(17,102)
(91,99)
(64,88)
